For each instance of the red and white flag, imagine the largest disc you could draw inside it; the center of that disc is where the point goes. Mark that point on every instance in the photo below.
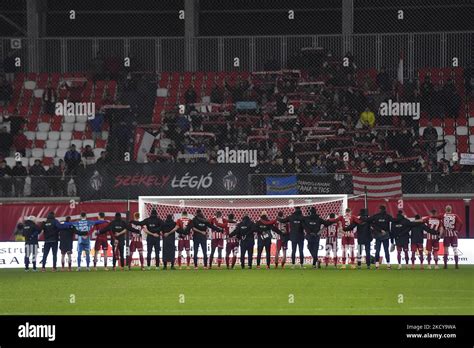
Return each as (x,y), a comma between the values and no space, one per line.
(378,185)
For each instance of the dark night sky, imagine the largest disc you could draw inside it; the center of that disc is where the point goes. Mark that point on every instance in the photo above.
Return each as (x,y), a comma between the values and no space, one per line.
(243,17)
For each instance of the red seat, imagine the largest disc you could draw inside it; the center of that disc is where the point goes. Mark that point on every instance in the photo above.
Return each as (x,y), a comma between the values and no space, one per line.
(40,143)
(436,122)
(77,135)
(448,130)
(100,143)
(48,161)
(45,118)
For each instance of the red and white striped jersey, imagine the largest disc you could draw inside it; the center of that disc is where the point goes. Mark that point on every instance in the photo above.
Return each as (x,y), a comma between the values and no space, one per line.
(136,237)
(452,223)
(229,228)
(434,223)
(330,231)
(219,222)
(345,221)
(182,223)
(283,227)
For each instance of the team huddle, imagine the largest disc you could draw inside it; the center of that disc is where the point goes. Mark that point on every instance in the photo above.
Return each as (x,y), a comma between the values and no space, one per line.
(355,233)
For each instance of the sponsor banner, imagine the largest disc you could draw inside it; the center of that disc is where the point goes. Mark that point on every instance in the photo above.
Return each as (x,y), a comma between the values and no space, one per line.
(324,184)
(467,159)
(12,254)
(279,185)
(165,179)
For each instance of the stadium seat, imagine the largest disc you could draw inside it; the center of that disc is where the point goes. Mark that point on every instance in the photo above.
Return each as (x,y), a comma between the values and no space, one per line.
(52,144)
(77,142)
(98,151)
(60,153)
(79,127)
(451,139)
(41,135)
(24,161)
(77,135)
(471,139)
(471,122)
(40,143)
(64,144)
(66,135)
(69,119)
(53,135)
(461,130)
(89,142)
(38,153)
(10,161)
(47,161)
(68,127)
(30,135)
(81,119)
(43,127)
(49,152)
(100,143)
(56,127)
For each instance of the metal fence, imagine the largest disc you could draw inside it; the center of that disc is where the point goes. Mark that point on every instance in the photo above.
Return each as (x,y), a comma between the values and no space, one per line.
(218,53)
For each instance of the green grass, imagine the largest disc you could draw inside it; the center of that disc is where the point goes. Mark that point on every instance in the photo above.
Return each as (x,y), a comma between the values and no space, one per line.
(239,292)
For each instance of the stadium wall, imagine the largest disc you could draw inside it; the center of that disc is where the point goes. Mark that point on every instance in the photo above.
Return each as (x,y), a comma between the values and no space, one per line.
(13,213)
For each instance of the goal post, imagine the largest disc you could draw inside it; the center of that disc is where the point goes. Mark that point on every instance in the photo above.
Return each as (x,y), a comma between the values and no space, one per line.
(242,205)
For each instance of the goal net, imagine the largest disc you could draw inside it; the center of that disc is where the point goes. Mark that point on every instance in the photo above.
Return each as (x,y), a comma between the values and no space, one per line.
(242,205)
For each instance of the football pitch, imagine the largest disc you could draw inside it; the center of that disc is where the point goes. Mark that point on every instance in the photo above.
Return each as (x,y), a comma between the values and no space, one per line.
(239,292)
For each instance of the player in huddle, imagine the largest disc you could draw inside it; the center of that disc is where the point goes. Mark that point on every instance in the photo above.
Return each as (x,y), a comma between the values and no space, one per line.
(331,233)
(232,244)
(432,240)
(452,224)
(184,240)
(348,238)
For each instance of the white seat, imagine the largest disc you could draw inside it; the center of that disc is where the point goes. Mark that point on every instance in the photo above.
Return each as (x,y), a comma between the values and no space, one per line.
(422,129)
(440,132)
(10,161)
(24,161)
(27,153)
(471,140)
(81,118)
(64,144)
(461,130)
(66,135)
(451,139)
(38,153)
(97,152)
(52,144)
(30,135)
(79,127)
(471,148)
(60,153)
(57,159)
(105,135)
(471,121)
(49,152)
(78,143)
(41,135)
(69,119)
(53,135)
(43,126)
(32,160)
(68,127)
(89,142)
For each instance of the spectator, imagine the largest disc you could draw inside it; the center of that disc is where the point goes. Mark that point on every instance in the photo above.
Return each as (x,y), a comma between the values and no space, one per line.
(5,179)
(452,99)
(217,96)
(19,174)
(383,81)
(6,142)
(9,66)
(39,185)
(319,168)
(88,154)
(16,122)
(6,91)
(49,100)
(378,167)
(190,96)
(96,125)
(72,158)
(97,67)
(20,142)
(426,94)
(367,118)
(103,158)
(56,179)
